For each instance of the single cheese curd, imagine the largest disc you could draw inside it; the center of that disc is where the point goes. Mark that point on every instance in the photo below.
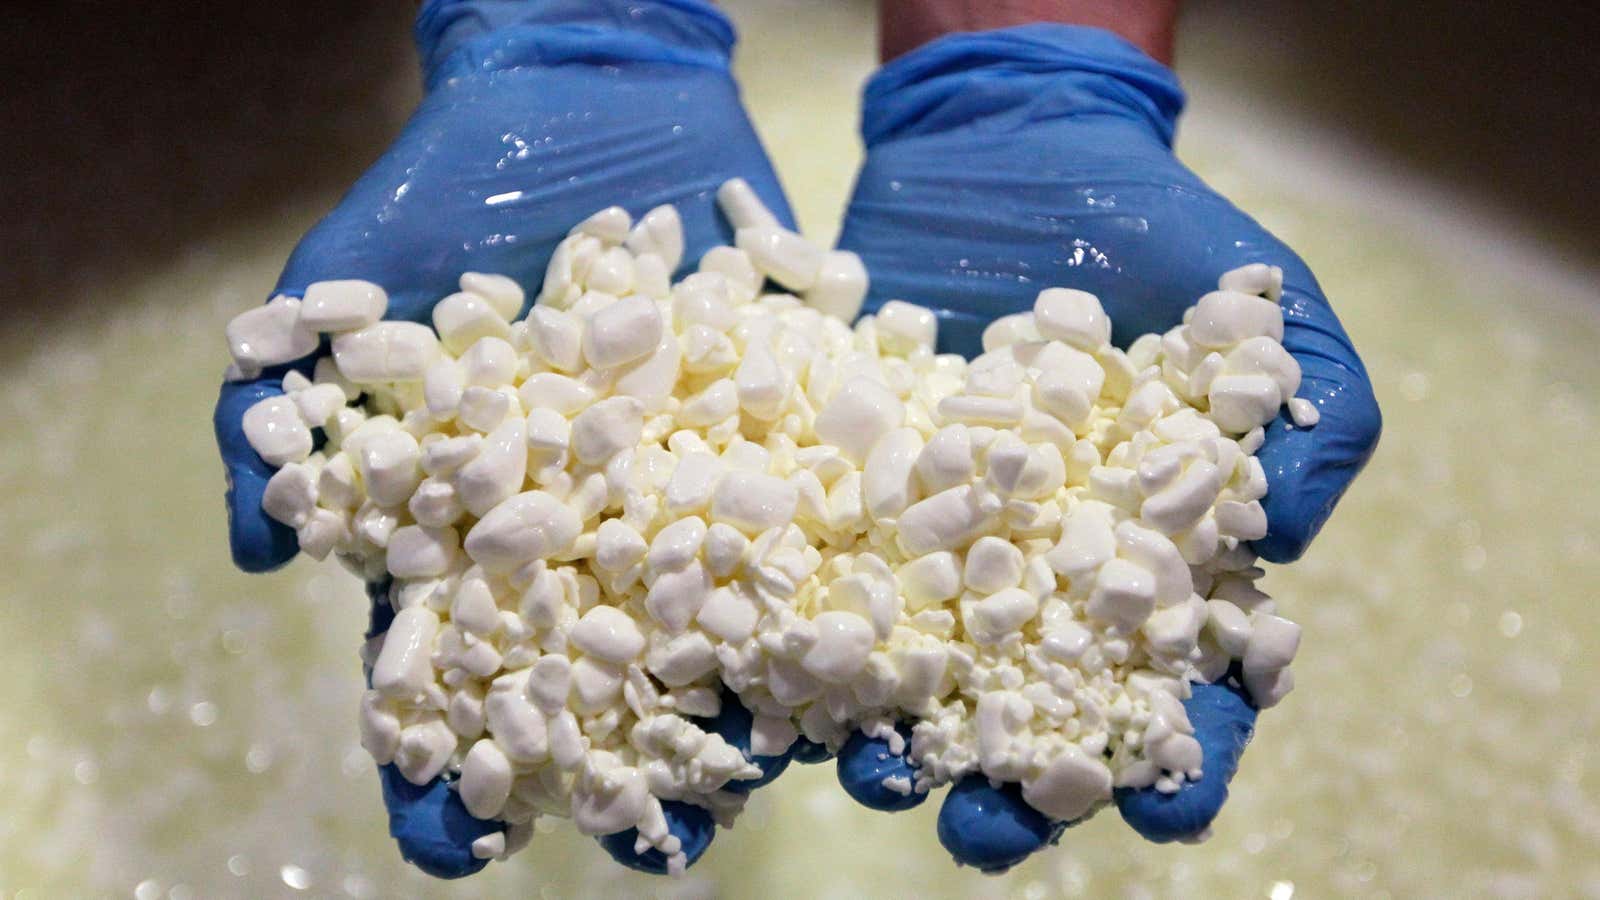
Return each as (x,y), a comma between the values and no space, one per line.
(639,500)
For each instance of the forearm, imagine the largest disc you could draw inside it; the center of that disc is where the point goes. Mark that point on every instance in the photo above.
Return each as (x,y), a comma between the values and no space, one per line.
(904,25)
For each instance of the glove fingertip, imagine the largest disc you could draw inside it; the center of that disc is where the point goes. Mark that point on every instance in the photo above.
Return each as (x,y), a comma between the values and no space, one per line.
(258,542)
(691,825)
(431,825)
(733,723)
(1223,720)
(992,829)
(809,752)
(1163,818)
(877,777)
(1309,469)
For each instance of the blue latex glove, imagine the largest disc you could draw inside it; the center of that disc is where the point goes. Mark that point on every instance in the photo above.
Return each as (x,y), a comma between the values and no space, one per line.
(536,114)
(1000,163)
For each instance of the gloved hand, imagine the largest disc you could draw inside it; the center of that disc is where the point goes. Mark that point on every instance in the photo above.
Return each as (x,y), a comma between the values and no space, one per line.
(536,114)
(1003,162)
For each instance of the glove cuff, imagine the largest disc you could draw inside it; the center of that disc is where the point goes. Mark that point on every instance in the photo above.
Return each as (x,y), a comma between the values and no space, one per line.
(1011,76)
(458,37)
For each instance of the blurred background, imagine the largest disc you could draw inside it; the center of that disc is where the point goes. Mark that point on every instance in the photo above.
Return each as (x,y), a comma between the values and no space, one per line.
(171,728)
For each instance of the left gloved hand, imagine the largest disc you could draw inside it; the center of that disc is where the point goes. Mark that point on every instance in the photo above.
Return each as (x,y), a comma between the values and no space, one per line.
(536,114)
(1000,163)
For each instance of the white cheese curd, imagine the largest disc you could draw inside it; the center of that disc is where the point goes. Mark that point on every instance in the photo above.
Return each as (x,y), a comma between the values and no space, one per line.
(342,305)
(269,335)
(599,517)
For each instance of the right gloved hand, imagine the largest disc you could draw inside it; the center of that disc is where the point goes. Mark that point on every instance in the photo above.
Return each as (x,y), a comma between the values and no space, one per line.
(537,113)
(1002,162)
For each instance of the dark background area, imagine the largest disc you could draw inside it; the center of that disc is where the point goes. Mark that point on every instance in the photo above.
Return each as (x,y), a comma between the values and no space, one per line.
(127,130)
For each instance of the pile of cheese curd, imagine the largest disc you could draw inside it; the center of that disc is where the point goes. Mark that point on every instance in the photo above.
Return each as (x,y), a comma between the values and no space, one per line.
(602,520)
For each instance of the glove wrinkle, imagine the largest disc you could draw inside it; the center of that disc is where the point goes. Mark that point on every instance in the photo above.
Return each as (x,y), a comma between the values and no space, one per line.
(1025,73)
(457,37)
